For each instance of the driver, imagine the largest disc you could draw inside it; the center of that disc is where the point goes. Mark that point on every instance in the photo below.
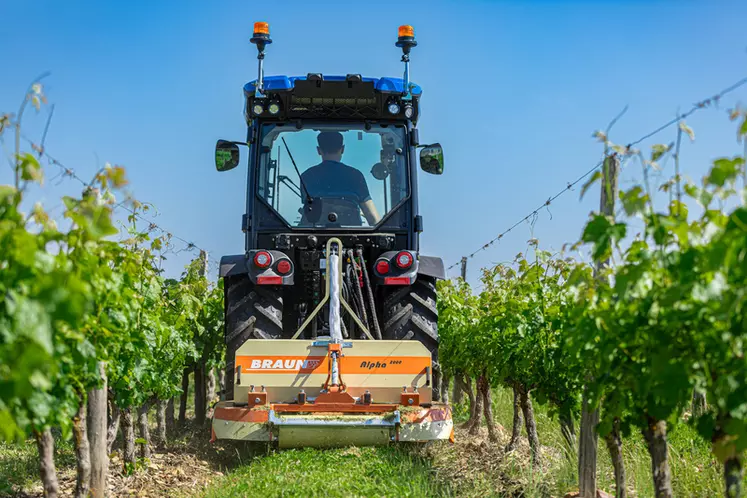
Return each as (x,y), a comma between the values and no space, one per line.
(333,179)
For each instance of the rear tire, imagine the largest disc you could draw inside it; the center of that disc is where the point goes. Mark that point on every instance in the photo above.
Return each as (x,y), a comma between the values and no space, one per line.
(411,313)
(251,313)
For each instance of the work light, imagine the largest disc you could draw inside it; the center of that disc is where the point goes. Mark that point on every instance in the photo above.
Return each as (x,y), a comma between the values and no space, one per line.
(262,259)
(404,260)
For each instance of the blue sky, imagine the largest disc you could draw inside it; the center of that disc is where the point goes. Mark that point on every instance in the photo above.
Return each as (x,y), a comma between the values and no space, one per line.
(512,90)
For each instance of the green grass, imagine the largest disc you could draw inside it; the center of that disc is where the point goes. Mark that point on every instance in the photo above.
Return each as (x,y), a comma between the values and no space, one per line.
(695,472)
(375,471)
(472,467)
(19,463)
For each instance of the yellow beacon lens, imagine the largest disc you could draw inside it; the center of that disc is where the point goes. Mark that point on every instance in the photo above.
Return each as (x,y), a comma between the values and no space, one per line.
(262,28)
(406,31)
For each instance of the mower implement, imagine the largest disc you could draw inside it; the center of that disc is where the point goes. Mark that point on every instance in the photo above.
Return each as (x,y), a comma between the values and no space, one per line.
(331,319)
(383,395)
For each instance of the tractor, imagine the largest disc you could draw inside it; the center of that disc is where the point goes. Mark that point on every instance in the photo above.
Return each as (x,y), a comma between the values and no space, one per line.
(331,326)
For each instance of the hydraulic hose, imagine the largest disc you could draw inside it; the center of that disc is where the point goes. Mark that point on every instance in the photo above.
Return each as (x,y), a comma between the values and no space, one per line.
(334,279)
(345,289)
(354,268)
(369,291)
(344,330)
(314,328)
(349,297)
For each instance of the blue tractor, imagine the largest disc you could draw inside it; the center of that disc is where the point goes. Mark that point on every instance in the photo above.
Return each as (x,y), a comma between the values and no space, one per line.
(332,241)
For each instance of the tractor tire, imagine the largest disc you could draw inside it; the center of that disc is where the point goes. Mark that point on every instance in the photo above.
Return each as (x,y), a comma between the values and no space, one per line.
(251,313)
(410,313)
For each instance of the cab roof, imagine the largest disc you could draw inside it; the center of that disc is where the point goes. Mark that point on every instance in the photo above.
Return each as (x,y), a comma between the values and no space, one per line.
(281,83)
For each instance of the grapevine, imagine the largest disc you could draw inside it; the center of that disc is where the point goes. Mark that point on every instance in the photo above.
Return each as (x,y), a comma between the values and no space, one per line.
(664,321)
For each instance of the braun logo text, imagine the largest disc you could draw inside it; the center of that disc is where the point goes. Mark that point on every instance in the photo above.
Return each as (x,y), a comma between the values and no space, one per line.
(283,364)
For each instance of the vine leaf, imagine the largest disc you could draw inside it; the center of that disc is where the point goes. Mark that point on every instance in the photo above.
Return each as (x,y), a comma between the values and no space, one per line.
(591,181)
(724,170)
(603,232)
(659,150)
(685,128)
(30,168)
(634,200)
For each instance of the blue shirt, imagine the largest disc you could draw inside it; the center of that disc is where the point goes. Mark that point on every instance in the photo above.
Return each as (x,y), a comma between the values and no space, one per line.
(337,180)
(343,188)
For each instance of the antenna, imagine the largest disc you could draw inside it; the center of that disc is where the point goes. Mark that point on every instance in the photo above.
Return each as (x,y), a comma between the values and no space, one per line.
(261,39)
(406,40)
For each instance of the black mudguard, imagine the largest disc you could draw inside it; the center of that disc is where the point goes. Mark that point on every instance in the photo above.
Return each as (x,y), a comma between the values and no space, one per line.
(234,264)
(432,266)
(240,265)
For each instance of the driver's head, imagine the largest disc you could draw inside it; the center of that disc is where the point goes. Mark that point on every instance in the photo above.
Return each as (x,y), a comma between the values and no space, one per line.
(330,145)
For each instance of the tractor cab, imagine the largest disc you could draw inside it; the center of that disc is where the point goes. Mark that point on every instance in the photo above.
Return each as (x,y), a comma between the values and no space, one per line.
(336,153)
(332,248)
(366,183)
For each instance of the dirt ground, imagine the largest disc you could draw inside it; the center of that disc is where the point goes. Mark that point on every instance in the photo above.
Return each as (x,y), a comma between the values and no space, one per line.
(183,468)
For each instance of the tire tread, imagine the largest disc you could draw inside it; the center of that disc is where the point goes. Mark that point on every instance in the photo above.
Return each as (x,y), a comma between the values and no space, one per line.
(251,313)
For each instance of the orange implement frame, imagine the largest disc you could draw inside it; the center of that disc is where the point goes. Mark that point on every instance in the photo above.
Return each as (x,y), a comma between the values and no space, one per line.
(410,399)
(334,399)
(241,414)
(257,399)
(306,397)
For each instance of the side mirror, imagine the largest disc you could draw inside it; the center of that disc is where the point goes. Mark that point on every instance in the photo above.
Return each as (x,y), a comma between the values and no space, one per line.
(432,159)
(226,155)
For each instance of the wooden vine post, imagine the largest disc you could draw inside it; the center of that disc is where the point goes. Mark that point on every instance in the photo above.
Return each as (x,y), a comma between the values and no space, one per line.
(587,443)
(458,393)
(199,370)
(97,434)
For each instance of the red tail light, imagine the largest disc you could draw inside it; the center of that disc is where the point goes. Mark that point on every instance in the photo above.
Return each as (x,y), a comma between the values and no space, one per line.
(397,281)
(403,260)
(269,280)
(382,266)
(262,259)
(284,267)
